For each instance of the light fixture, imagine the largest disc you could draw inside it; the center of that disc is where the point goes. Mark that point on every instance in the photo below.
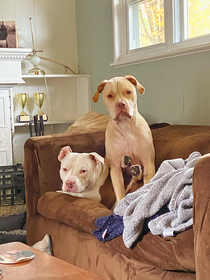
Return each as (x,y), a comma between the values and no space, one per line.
(34,58)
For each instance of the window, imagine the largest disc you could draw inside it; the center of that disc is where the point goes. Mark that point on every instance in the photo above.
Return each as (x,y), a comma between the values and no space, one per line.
(197,18)
(146,30)
(146,23)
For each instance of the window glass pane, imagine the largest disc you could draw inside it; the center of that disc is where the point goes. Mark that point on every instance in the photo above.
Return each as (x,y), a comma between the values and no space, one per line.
(198,18)
(146,23)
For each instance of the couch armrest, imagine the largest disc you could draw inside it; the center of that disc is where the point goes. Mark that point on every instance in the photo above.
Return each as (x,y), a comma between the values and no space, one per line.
(42,166)
(79,213)
(201,216)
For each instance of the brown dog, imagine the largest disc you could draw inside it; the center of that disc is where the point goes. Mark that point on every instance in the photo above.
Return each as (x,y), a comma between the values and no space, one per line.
(128,135)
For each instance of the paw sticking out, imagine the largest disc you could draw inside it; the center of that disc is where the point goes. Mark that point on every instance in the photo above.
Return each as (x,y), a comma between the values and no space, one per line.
(126,161)
(136,173)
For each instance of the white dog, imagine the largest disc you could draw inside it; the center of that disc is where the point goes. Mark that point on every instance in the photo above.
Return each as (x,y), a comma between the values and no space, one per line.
(128,136)
(82,173)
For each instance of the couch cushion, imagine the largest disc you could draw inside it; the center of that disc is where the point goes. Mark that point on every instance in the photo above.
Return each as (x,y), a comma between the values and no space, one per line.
(12,222)
(12,227)
(18,235)
(175,253)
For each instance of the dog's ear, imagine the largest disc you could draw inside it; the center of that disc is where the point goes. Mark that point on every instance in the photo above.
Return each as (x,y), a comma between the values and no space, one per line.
(63,152)
(133,80)
(99,90)
(96,158)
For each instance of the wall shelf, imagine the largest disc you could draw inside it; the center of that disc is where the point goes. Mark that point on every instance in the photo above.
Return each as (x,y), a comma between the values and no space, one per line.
(67,99)
(45,123)
(78,76)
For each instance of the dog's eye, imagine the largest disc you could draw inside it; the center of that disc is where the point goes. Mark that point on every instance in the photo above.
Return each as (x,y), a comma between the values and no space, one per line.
(83,170)
(128,92)
(109,96)
(64,169)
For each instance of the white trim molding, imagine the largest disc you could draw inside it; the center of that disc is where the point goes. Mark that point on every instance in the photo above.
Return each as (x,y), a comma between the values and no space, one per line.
(10,65)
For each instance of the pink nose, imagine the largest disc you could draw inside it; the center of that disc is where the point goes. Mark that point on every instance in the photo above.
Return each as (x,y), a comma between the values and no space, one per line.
(120,105)
(70,184)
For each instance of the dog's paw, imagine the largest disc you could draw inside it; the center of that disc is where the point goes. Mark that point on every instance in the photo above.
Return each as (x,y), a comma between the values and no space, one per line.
(136,172)
(126,161)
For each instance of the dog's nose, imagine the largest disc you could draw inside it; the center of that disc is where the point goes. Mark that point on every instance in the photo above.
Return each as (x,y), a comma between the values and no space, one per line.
(120,104)
(70,183)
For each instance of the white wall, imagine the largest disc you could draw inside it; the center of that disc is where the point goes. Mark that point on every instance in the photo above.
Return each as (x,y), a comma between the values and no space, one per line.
(54,28)
(177,89)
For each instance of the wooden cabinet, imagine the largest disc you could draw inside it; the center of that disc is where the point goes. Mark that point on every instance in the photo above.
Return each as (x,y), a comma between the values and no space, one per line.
(10,75)
(5,128)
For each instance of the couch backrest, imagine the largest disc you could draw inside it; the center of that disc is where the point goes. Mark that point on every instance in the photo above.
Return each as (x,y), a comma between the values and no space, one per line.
(171,141)
(175,141)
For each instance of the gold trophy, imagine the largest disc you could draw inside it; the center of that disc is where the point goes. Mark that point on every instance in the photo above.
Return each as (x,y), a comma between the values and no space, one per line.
(39,98)
(22,99)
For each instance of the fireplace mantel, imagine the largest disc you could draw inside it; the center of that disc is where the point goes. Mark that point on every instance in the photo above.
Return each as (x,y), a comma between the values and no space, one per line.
(10,66)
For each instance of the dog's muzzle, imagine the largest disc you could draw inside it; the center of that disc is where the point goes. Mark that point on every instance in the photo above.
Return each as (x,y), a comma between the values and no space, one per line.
(121,110)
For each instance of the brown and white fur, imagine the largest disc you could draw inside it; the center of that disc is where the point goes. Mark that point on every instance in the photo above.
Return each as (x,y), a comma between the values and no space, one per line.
(127,133)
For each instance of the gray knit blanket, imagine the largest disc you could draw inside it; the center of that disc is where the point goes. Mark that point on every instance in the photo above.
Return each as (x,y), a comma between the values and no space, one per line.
(171,185)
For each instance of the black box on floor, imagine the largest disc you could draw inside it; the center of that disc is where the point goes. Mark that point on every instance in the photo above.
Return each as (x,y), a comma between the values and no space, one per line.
(12,185)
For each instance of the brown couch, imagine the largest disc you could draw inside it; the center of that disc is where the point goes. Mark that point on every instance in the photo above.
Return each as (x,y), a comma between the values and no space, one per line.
(70,220)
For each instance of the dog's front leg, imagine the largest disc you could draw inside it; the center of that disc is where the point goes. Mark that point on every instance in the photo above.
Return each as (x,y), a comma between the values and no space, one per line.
(117,182)
(149,172)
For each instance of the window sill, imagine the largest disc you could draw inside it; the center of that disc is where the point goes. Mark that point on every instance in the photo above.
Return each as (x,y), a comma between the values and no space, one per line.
(131,59)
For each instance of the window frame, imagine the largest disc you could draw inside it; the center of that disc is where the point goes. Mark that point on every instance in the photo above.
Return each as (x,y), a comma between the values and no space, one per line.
(174,44)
